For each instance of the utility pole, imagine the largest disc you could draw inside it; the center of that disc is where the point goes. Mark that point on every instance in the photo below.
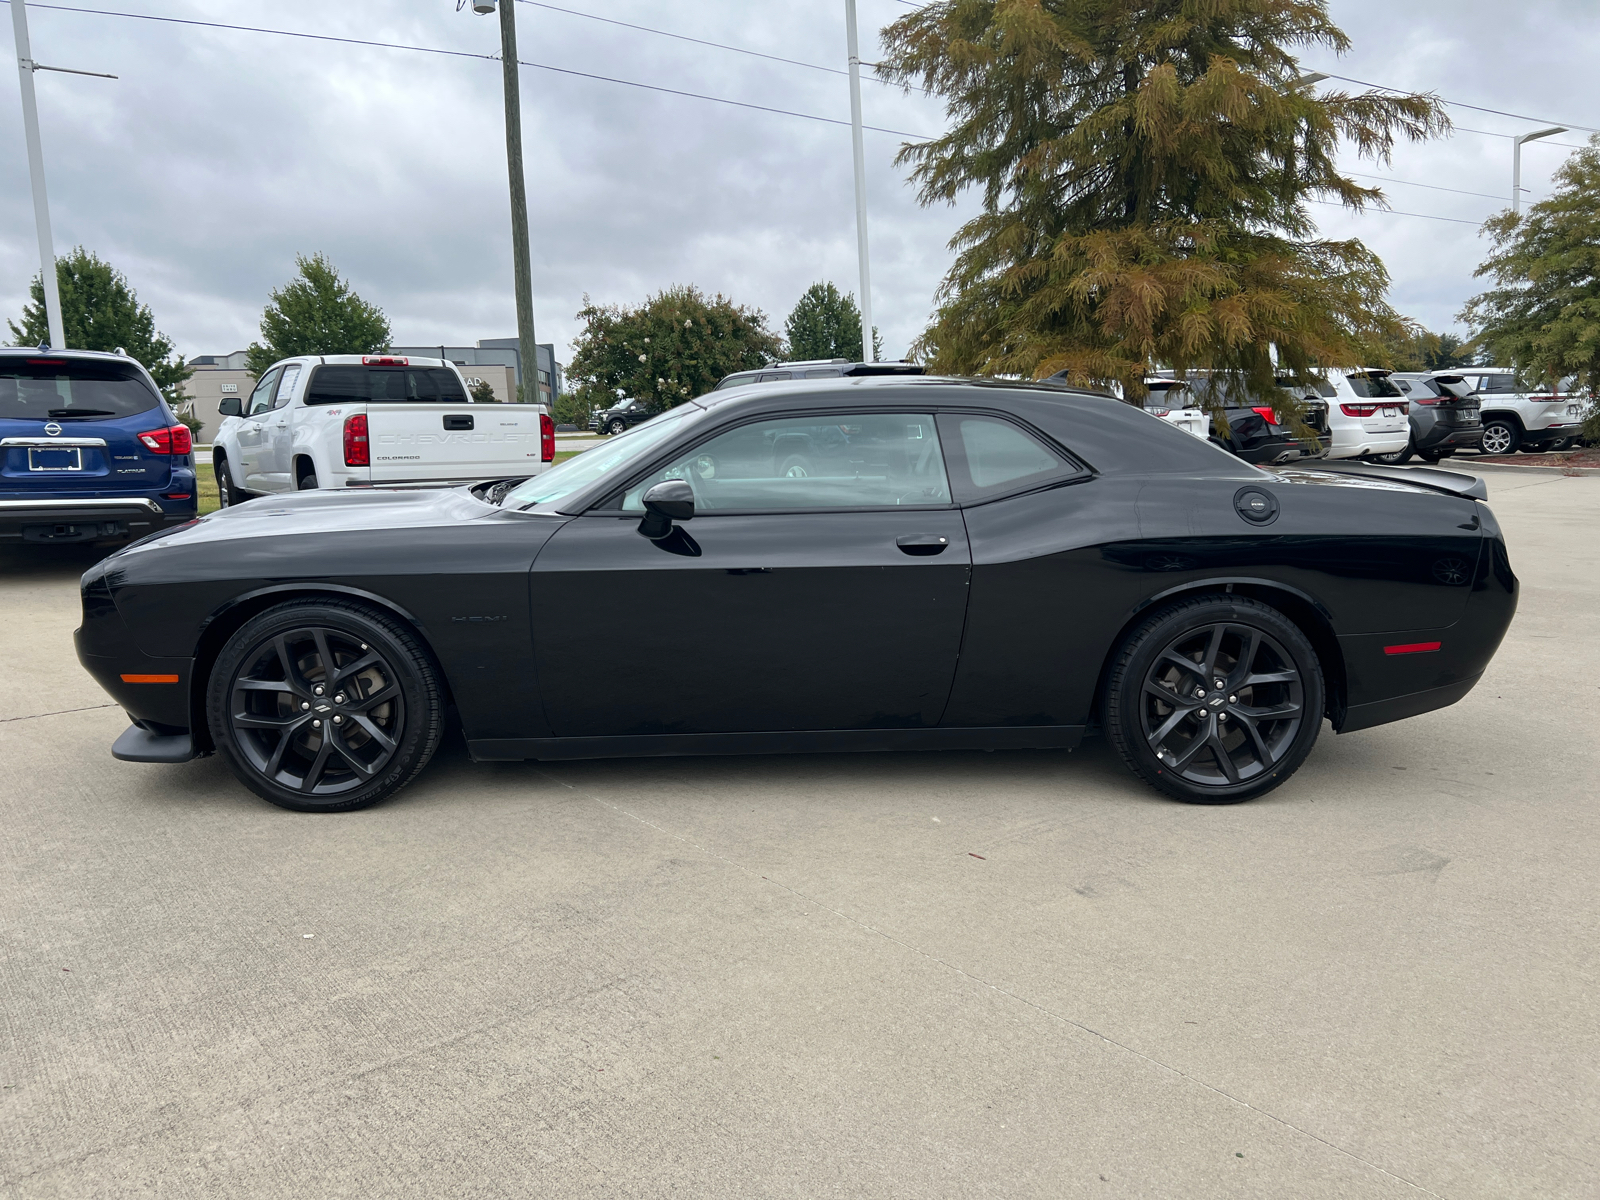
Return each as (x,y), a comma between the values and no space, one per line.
(1516,162)
(521,263)
(867,352)
(41,201)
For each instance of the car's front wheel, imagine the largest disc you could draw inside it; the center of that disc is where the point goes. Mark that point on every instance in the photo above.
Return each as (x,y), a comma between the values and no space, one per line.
(616,427)
(324,706)
(227,494)
(1215,699)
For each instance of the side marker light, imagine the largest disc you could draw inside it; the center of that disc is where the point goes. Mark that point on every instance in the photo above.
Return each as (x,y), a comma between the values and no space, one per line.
(1413,648)
(149,679)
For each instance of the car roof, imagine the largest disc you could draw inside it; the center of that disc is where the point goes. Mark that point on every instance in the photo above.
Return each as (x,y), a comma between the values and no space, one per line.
(364,360)
(82,355)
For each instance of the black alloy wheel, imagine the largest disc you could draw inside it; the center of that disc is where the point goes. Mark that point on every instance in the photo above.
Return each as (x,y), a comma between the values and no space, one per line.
(1215,699)
(324,706)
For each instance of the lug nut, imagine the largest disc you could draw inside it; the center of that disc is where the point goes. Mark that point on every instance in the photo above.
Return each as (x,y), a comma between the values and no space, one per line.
(316,724)
(304,705)
(317,690)
(338,720)
(1199,693)
(1233,699)
(339,699)
(1222,716)
(1219,685)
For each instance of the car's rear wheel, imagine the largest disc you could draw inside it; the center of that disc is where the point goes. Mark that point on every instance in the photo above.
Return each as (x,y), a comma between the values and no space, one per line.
(1399,456)
(306,478)
(324,706)
(1500,437)
(1215,699)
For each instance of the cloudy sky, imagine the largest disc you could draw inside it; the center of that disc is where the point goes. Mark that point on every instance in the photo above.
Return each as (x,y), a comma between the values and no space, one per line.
(219,154)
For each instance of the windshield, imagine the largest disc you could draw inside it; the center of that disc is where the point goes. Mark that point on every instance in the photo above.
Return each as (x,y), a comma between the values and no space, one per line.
(43,389)
(578,473)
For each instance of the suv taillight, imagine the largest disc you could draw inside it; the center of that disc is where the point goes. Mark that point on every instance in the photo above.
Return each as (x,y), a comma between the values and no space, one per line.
(175,439)
(356,453)
(1358,410)
(547,438)
(1266,414)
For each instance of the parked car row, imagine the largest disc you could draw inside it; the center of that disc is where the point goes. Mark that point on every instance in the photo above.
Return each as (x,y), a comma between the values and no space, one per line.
(1512,415)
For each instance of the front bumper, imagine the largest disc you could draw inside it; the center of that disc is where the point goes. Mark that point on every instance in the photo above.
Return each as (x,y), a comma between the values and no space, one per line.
(86,520)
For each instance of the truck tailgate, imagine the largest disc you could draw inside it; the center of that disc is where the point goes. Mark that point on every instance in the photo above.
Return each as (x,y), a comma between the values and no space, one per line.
(418,440)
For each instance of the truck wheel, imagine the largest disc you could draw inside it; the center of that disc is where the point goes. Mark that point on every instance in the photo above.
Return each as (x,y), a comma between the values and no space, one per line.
(616,427)
(324,706)
(1500,436)
(306,479)
(227,494)
(1215,699)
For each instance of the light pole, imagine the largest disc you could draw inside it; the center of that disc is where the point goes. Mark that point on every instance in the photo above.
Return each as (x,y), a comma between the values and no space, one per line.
(522,267)
(867,351)
(41,201)
(1516,162)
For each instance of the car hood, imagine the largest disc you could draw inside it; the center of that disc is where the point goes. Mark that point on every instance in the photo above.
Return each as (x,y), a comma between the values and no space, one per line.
(325,512)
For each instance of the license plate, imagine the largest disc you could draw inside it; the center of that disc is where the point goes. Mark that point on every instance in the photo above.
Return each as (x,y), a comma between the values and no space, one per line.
(55,458)
(1391,412)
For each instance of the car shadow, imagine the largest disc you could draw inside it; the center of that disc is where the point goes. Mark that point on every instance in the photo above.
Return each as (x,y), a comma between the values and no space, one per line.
(47,563)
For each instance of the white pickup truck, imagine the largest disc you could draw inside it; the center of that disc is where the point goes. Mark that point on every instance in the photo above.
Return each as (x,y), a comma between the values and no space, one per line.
(353,420)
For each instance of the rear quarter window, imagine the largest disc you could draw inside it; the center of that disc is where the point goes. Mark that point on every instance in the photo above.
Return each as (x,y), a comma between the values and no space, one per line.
(44,389)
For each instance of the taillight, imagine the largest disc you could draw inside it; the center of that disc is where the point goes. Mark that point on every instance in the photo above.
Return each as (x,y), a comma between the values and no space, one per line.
(547,438)
(1421,398)
(356,452)
(173,440)
(1266,414)
(384,360)
(1358,410)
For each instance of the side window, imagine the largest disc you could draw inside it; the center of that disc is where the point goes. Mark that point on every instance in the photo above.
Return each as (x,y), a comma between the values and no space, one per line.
(990,457)
(261,398)
(879,461)
(286,386)
(772,376)
(824,373)
(1499,385)
(337,385)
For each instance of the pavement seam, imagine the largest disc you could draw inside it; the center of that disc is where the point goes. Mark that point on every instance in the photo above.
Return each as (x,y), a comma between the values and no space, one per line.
(978,979)
(58,713)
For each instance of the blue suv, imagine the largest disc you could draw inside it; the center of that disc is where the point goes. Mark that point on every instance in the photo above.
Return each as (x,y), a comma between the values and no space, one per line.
(89,450)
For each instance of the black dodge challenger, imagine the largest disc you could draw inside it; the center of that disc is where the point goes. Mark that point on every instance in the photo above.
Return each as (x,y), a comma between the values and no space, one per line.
(843,564)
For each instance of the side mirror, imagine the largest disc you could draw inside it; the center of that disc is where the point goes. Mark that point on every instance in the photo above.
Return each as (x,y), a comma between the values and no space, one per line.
(668,501)
(229,406)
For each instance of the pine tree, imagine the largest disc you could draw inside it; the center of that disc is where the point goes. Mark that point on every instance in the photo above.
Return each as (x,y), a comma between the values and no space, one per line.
(1145,168)
(317,313)
(1544,316)
(100,311)
(826,323)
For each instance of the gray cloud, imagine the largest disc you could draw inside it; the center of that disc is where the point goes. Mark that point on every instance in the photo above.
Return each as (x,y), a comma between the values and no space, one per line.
(219,155)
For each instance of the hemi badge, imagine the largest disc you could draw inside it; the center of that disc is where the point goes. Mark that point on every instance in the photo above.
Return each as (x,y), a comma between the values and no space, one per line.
(1413,648)
(149,679)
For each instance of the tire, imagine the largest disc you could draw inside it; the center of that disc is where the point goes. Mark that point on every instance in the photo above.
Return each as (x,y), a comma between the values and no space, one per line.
(616,427)
(1399,456)
(796,466)
(1429,456)
(1500,436)
(306,479)
(1248,640)
(395,712)
(227,495)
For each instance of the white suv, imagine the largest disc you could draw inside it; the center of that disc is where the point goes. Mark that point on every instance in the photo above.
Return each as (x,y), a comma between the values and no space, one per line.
(1515,418)
(1367,414)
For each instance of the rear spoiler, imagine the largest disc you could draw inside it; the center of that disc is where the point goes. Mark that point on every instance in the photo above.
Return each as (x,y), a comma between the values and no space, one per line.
(1455,483)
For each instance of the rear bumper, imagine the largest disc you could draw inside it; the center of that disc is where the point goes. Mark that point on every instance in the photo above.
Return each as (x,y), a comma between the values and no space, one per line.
(1398,708)
(1450,437)
(86,520)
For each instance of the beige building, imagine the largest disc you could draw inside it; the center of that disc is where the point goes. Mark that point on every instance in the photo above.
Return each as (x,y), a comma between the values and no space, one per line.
(219,375)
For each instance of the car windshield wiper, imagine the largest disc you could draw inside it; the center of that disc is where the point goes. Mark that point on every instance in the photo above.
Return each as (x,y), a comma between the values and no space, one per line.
(66,414)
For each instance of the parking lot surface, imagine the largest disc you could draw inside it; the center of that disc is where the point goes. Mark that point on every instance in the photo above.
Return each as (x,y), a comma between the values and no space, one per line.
(1010,974)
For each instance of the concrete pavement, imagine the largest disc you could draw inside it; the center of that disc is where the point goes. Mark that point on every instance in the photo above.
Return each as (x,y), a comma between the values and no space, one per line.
(920,975)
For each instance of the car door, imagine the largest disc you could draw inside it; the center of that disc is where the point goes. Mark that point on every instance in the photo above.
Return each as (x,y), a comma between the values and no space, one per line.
(821,585)
(277,436)
(252,430)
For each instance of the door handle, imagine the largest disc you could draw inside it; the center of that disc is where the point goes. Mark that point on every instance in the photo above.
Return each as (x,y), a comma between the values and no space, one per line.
(922,545)
(458,420)
(255,426)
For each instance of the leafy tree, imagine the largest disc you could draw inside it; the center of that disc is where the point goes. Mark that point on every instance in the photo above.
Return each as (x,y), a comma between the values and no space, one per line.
(1543,317)
(1413,348)
(482,392)
(675,346)
(99,311)
(317,313)
(826,323)
(1145,168)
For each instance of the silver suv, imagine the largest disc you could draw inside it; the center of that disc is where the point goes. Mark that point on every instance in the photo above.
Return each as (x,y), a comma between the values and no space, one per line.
(1518,418)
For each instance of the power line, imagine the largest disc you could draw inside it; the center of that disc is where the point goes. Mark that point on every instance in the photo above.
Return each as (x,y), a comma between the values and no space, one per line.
(325,37)
(1433,186)
(1461,104)
(793,62)
(1395,212)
